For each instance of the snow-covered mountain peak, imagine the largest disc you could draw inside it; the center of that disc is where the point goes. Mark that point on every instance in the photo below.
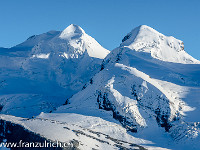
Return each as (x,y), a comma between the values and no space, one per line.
(165,48)
(137,32)
(72,31)
(73,43)
(64,64)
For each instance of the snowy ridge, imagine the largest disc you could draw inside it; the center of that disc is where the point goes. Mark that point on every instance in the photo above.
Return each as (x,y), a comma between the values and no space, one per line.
(34,40)
(146,78)
(87,132)
(126,93)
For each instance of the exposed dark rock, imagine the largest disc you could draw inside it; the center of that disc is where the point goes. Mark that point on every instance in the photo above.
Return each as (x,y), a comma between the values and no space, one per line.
(126,37)
(31,37)
(82,133)
(162,120)
(104,103)
(85,85)
(91,81)
(15,133)
(1,107)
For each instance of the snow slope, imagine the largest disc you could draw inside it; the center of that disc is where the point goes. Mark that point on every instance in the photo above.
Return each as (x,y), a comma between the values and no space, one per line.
(88,132)
(44,71)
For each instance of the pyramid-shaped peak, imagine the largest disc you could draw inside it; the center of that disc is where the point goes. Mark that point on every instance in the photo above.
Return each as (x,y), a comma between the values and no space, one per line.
(145,27)
(145,30)
(142,30)
(71,31)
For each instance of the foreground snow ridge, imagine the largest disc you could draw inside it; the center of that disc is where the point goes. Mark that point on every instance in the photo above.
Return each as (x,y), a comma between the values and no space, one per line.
(63,85)
(88,132)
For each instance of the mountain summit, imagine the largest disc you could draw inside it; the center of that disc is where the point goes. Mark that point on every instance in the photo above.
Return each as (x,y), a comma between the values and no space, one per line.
(146,39)
(73,42)
(71,31)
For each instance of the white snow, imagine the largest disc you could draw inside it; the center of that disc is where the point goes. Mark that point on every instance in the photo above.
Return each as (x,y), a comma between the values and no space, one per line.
(138,85)
(79,39)
(42,56)
(72,31)
(146,39)
(90,132)
(149,83)
(50,67)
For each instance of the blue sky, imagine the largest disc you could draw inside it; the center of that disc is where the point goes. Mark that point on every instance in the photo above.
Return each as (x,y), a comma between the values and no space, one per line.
(108,21)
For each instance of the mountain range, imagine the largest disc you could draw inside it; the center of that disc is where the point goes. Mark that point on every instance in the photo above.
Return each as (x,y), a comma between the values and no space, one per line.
(64,86)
